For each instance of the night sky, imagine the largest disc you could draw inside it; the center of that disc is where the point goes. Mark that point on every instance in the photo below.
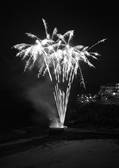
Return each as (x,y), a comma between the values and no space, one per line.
(91,22)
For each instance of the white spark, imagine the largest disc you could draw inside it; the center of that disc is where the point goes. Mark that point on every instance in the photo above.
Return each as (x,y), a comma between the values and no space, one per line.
(59,54)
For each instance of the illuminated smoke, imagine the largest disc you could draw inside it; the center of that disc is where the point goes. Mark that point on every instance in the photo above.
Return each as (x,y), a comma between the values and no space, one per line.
(60,60)
(42,100)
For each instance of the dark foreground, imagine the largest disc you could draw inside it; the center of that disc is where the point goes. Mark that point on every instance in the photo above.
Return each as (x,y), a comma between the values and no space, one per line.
(91,140)
(73,148)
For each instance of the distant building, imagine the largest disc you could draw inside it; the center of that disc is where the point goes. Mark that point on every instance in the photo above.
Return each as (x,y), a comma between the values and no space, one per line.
(109,94)
(86,98)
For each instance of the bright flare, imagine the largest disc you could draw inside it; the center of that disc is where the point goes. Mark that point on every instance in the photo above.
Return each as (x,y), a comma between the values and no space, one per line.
(55,55)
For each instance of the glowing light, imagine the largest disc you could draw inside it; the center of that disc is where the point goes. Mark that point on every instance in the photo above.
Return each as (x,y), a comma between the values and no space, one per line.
(55,55)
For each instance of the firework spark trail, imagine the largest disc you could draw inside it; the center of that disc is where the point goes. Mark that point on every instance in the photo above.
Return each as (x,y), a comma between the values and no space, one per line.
(64,58)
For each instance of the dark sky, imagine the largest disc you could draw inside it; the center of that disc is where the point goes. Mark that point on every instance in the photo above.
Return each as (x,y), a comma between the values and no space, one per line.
(91,22)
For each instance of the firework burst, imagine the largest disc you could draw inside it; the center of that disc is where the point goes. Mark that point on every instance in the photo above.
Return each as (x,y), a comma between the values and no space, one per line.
(55,55)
